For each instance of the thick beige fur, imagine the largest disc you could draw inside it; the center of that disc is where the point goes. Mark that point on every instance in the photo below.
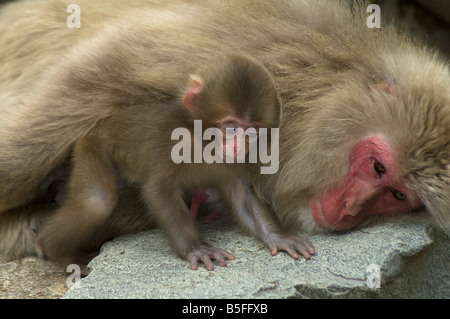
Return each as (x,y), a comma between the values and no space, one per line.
(57,83)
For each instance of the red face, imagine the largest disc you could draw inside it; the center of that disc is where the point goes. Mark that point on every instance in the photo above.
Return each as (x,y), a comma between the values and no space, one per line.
(372,186)
(236,141)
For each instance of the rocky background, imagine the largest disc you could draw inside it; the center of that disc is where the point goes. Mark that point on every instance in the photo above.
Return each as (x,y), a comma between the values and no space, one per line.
(429,19)
(34,278)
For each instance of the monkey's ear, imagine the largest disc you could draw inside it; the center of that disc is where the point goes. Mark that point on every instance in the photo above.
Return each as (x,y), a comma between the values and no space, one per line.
(386,86)
(193,93)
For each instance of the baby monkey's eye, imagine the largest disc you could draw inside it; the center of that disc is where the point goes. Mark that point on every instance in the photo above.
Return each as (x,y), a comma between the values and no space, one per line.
(379,168)
(252,136)
(231,131)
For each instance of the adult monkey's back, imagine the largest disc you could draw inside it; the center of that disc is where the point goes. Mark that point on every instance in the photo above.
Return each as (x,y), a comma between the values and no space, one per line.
(366,113)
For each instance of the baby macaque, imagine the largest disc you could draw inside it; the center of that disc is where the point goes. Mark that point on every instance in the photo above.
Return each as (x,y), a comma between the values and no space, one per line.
(232,99)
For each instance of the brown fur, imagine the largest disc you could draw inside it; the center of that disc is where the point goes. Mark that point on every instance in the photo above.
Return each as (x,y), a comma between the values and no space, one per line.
(326,65)
(132,149)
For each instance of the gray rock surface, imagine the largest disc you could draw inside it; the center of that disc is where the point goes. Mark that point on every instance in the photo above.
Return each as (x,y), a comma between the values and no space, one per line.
(412,256)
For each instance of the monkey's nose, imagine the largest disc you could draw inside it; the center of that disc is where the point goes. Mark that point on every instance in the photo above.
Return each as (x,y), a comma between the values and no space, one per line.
(350,209)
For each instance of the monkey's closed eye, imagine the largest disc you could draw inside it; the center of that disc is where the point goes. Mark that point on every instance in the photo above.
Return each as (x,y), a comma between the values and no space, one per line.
(398,195)
(379,168)
(253,136)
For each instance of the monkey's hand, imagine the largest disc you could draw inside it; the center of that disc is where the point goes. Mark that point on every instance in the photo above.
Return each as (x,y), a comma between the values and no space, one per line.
(206,253)
(291,244)
(258,220)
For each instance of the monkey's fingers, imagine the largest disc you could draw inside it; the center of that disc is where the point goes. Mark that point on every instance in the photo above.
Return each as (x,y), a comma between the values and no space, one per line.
(206,254)
(290,251)
(292,244)
(194,263)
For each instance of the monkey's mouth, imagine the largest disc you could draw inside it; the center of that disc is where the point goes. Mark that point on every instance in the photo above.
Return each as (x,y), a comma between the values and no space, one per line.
(325,221)
(318,215)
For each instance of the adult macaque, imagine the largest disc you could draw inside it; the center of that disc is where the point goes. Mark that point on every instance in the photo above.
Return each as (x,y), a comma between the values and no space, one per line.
(135,146)
(365,128)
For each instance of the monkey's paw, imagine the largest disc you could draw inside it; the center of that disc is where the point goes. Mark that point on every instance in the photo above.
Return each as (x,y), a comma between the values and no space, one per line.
(205,253)
(291,244)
